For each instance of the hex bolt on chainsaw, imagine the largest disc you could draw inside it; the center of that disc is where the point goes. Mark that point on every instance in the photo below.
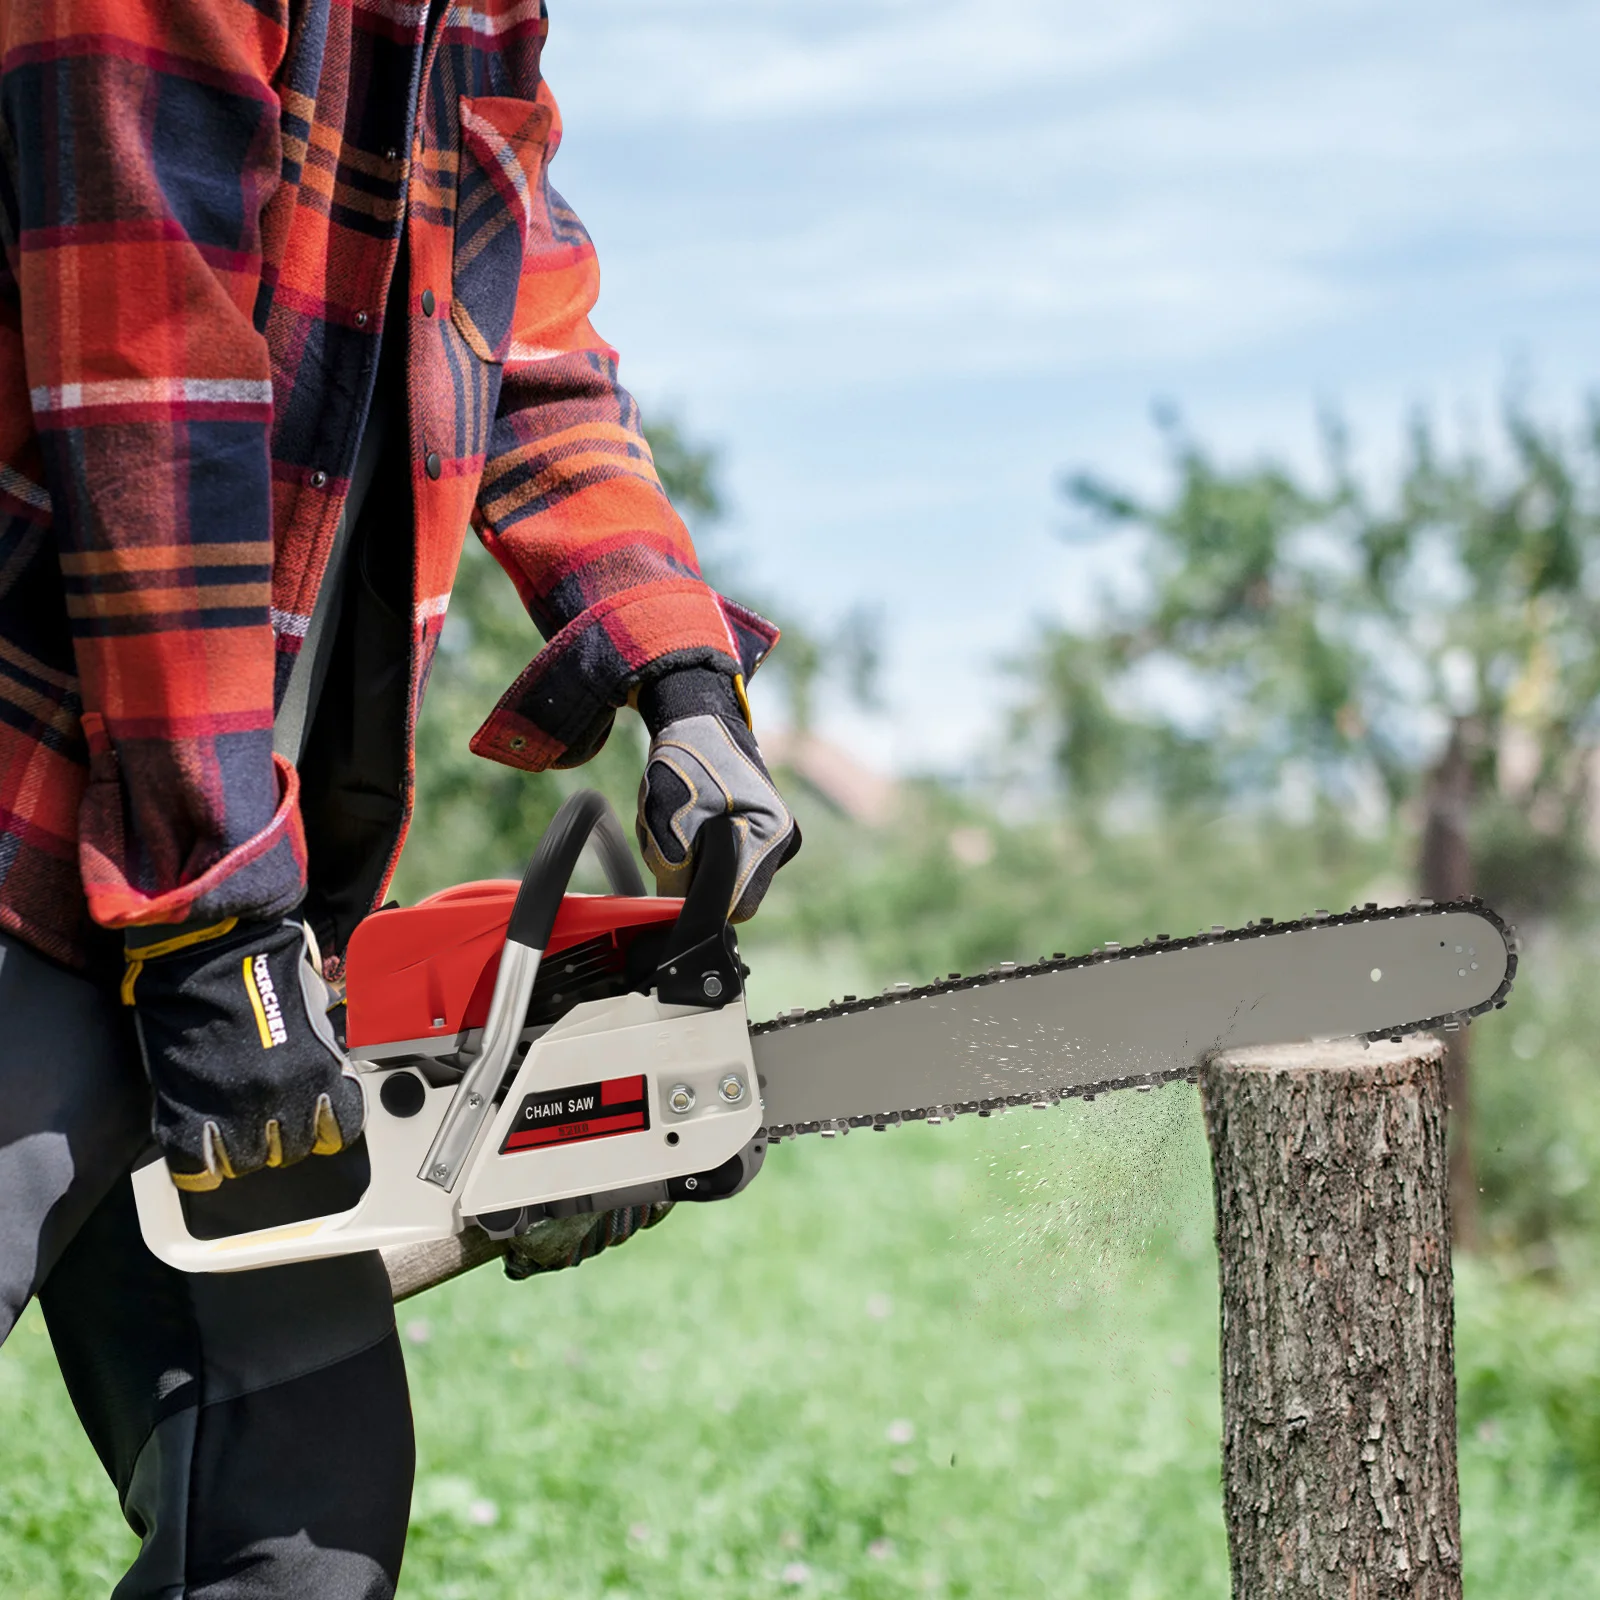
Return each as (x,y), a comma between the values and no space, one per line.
(529,1053)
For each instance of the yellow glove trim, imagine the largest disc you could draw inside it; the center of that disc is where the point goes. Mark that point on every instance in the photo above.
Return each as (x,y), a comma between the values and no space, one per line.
(179,941)
(329,1141)
(195,1182)
(256,1006)
(218,1166)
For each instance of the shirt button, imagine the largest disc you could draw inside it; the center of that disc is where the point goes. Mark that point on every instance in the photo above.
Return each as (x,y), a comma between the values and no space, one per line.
(318,479)
(433,464)
(391,154)
(361,319)
(427,302)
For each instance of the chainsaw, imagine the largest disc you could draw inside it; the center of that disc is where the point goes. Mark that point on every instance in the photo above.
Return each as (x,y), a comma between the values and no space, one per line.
(529,1053)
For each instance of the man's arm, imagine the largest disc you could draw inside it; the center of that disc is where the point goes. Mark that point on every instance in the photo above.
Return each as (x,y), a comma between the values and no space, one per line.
(572,508)
(142,144)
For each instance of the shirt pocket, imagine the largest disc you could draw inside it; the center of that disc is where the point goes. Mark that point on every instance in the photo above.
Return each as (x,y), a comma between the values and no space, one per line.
(499,196)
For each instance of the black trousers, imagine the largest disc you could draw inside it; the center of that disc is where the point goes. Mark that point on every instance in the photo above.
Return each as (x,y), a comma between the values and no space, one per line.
(256,1424)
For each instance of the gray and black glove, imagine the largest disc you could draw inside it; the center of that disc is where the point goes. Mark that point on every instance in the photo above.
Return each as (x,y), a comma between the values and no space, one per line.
(233,1024)
(704,763)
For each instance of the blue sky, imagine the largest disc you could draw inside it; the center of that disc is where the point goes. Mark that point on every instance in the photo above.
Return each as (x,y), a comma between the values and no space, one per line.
(904,263)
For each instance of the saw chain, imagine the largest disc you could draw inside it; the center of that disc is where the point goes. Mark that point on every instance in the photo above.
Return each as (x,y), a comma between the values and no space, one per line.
(1110,952)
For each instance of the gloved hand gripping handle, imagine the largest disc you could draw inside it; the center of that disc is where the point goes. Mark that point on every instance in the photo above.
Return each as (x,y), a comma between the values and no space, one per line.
(585,817)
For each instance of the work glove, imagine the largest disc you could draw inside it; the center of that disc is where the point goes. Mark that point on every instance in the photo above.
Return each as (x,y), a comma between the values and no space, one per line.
(704,763)
(233,1024)
(555,1243)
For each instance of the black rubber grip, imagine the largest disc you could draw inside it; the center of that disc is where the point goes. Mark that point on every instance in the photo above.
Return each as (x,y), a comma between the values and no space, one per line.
(584,818)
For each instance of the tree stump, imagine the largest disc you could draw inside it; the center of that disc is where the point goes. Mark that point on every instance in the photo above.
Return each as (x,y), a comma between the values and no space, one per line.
(1338,1366)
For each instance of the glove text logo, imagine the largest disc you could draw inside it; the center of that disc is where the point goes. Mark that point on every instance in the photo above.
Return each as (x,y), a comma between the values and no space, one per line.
(264,1002)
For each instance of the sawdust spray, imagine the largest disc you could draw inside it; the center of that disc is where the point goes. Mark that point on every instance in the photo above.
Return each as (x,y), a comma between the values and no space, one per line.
(1084,1200)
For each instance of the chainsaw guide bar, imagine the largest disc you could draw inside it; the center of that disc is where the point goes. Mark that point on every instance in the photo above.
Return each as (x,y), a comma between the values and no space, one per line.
(819,1068)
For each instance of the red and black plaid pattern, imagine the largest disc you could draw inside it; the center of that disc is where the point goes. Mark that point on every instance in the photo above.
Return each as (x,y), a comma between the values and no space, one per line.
(201,206)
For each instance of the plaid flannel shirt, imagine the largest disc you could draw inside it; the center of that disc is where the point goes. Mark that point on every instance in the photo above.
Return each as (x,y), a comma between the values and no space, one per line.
(202,204)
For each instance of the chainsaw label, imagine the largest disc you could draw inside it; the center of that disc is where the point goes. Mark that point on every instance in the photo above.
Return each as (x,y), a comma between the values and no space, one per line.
(589,1111)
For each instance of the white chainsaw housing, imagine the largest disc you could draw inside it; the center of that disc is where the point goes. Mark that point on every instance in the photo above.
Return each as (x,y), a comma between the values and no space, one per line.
(597,1043)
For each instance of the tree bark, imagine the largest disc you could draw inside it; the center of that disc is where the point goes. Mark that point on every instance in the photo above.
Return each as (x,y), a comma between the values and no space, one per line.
(1338,1372)
(1445,872)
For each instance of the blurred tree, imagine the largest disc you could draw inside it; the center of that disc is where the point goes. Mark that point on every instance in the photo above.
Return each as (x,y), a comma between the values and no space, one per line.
(1437,648)
(475,818)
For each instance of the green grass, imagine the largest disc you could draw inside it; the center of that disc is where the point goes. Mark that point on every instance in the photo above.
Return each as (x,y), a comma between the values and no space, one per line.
(972,1361)
(969,1361)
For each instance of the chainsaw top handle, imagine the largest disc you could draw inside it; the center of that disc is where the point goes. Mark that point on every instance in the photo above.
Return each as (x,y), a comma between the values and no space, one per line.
(584,818)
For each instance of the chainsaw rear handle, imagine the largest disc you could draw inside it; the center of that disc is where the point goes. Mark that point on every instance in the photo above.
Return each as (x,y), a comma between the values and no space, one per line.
(701,967)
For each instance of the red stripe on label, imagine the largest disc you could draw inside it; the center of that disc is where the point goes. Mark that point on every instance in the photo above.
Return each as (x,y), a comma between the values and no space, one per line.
(567,1132)
(622,1091)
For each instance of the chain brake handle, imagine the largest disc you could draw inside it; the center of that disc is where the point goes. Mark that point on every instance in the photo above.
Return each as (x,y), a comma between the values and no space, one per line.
(700,966)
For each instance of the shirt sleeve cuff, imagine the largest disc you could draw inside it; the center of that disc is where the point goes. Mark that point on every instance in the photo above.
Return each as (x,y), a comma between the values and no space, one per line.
(560,710)
(263,877)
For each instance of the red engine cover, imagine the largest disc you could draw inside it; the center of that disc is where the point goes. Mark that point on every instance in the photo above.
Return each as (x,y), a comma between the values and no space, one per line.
(428,970)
